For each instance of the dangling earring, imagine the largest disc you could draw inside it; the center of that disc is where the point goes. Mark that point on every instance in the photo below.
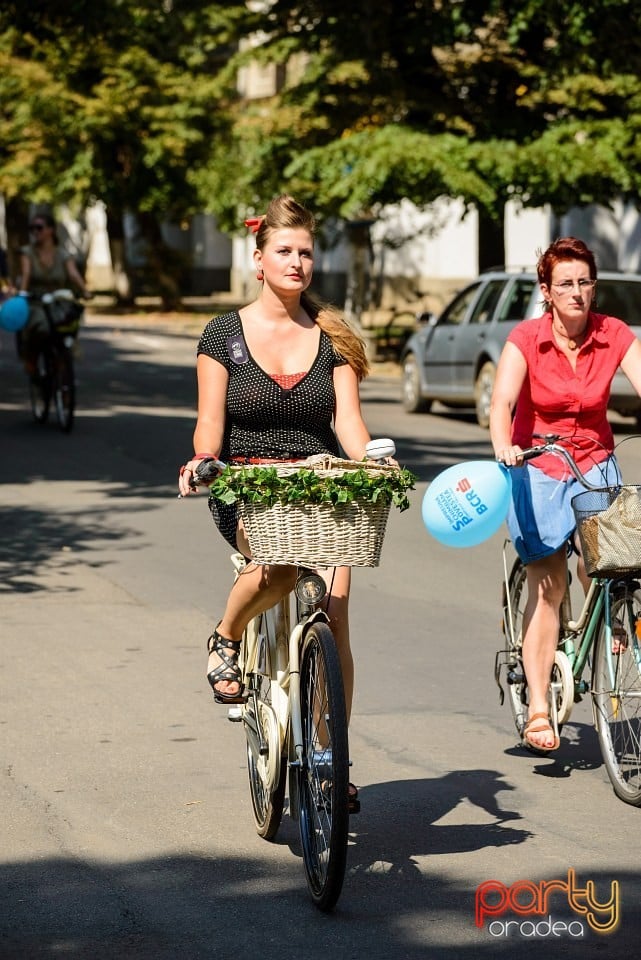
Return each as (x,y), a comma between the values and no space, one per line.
(260,275)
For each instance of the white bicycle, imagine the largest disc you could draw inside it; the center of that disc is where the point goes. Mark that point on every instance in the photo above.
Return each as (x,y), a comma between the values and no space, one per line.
(295,720)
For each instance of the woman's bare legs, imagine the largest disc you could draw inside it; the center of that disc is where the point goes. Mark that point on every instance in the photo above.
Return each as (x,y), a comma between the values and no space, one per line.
(257,589)
(260,587)
(546,585)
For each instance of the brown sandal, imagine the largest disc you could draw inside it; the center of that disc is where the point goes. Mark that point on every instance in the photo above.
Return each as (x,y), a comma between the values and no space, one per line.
(542,727)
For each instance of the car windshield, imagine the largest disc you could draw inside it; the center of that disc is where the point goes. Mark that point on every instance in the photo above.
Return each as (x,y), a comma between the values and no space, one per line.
(619,298)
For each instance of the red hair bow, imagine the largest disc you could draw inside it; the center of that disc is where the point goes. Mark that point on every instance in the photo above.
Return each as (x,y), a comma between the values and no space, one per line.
(254,223)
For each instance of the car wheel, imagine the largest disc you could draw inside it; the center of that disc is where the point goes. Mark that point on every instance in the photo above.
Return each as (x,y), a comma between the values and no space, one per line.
(413,402)
(483,393)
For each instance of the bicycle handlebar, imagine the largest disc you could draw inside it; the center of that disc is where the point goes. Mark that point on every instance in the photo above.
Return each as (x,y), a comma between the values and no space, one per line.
(550,445)
(63,295)
(209,468)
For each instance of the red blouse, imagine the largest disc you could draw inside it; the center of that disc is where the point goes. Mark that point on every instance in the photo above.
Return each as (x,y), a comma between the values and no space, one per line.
(556,399)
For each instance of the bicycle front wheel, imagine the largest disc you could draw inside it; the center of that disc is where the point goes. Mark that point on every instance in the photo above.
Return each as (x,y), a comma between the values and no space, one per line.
(40,389)
(64,390)
(616,693)
(323,778)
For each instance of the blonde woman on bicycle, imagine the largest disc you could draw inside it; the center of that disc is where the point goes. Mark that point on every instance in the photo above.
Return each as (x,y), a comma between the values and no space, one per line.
(277,380)
(554,376)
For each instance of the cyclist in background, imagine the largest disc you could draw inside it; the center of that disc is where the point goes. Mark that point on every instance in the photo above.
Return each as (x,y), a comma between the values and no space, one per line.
(45,266)
(278,380)
(554,376)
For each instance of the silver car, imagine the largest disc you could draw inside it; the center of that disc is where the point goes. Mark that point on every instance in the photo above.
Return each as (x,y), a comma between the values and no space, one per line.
(452,358)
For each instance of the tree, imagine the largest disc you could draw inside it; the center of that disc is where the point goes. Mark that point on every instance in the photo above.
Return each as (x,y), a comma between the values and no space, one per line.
(115,101)
(137,102)
(413,98)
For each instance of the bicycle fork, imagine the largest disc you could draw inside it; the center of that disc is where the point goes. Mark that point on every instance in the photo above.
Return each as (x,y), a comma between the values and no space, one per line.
(298,761)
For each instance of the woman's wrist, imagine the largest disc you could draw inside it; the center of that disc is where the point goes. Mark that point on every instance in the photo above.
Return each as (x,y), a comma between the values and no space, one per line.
(201,456)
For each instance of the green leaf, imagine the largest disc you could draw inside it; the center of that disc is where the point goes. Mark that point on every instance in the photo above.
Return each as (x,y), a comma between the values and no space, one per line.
(265,485)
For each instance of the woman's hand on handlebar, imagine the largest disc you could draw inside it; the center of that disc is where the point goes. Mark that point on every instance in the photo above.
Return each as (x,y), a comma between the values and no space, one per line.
(186,481)
(198,472)
(511,455)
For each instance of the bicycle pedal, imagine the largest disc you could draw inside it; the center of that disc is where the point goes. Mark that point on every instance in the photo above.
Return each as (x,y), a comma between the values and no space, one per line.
(235,713)
(515,676)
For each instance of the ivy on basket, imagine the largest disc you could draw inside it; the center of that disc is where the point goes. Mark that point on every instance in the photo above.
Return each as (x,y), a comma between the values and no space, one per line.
(270,485)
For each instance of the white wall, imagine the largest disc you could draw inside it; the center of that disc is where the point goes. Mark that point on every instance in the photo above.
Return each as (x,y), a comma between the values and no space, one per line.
(442,240)
(527,230)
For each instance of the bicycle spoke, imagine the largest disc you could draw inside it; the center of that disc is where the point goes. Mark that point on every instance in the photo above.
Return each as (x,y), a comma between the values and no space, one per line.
(323,779)
(617,697)
(267,770)
(516,685)
(40,389)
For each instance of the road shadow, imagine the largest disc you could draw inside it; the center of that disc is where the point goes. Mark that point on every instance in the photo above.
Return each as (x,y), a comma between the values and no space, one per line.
(402,821)
(34,539)
(199,908)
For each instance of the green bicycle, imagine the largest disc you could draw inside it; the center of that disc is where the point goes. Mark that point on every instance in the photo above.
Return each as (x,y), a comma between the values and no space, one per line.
(606,636)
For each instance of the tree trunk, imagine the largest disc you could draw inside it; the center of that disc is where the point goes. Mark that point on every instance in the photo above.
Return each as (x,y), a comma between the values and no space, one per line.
(166,266)
(491,241)
(121,272)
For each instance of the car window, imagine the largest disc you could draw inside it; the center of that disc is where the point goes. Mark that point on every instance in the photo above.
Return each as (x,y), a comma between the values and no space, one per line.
(619,298)
(457,310)
(517,301)
(486,305)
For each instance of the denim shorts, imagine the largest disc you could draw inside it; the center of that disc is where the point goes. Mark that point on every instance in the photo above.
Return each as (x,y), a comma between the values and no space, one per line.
(540,517)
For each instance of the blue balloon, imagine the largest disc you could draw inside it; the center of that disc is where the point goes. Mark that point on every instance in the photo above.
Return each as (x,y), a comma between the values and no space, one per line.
(467,503)
(14,313)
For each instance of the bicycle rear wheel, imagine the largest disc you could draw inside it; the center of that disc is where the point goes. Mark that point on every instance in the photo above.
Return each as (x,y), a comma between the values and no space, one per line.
(516,684)
(561,680)
(616,694)
(267,770)
(266,764)
(40,389)
(64,389)
(323,779)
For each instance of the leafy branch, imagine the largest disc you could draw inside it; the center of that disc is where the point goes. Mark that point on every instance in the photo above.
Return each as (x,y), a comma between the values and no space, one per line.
(266,485)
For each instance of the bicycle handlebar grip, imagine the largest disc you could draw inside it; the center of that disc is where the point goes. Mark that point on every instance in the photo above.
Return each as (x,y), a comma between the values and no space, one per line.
(533,452)
(208,469)
(380,449)
(529,454)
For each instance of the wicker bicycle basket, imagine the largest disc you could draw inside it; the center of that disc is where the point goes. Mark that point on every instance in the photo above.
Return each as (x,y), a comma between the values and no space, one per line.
(318,534)
(609,524)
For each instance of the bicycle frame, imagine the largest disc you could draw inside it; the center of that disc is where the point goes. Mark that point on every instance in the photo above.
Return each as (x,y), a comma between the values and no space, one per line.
(577,637)
(275,654)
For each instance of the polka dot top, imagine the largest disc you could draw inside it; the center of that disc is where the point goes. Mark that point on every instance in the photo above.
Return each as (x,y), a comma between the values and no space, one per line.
(265,419)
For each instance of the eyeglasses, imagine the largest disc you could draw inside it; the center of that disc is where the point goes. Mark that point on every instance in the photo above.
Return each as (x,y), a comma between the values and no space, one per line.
(567,286)
(37,227)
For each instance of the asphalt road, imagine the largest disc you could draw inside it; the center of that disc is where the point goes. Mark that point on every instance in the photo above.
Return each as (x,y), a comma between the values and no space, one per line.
(127,829)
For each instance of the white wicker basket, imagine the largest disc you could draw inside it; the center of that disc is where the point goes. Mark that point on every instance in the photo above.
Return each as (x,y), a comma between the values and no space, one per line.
(318,534)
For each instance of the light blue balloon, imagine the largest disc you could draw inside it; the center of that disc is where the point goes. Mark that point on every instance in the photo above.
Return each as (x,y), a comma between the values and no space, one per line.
(14,313)
(467,503)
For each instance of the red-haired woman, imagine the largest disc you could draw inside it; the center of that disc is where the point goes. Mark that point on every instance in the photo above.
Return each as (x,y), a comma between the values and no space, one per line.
(554,376)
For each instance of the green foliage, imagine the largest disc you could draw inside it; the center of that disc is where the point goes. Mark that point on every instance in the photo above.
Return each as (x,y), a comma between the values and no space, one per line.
(138,102)
(266,485)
